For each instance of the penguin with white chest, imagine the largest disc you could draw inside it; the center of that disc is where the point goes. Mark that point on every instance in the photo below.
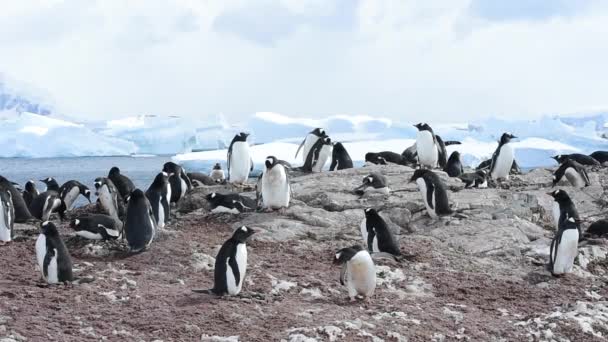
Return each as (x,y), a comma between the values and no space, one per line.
(30,192)
(239,159)
(231,264)
(358,272)
(426,146)
(574,172)
(70,191)
(230,203)
(311,138)
(159,195)
(318,155)
(377,235)
(373,183)
(109,198)
(434,193)
(179,181)
(276,191)
(45,204)
(140,226)
(7,216)
(53,256)
(563,208)
(97,227)
(51,184)
(564,248)
(503,157)
(22,211)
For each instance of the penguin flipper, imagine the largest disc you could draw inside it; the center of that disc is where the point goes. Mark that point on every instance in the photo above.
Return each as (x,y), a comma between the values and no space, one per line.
(343,272)
(300,147)
(234,266)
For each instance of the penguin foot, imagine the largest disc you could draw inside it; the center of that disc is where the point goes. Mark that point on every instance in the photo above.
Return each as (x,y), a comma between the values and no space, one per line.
(4,243)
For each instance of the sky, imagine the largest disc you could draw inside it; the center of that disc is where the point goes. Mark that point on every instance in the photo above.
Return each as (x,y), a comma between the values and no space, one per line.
(450,60)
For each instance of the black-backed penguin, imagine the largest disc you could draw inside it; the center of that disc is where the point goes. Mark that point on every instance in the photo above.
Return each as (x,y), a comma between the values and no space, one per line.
(311,138)
(159,195)
(123,184)
(97,227)
(53,256)
(230,203)
(139,227)
(574,172)
(70,190)
(200,179)
(231,264)
(110,199)
(217,174)
(340,159)
(564,248)
(477,179)
(426,146)
(598,228)
(485,165)
(30,192)
(318,155)
(358,272)
(51,184)
(454,166)
(433,191)
(600,156)
(373,183)
(179,181)
(563,208)
(384,157)
(410,155)
(377,236)
(503,157)
(577,157)
(7,216)
(45,204)
(276,190)
(239,161)
(22,210)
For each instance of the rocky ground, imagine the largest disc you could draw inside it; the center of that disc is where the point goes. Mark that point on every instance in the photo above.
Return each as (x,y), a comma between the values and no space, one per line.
(479,276)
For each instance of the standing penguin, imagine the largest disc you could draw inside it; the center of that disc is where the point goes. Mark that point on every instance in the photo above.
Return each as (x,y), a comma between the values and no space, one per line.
(7,216)
(139,227)
(53,257)
(311,138)
(22,211)
(454,167)
(179,181)
(70,190)
(217,174)
(318,155)
(30,192)
(563,208)
(109,198)
(574,172)
(51,184)
(239,159)
(564,248)
(97,227)
(433,191)
(373,183)
(426,146)
(358,272)
(378,237)
(276,191)
(45,204)
(340,159)
(123,184)
(159,195)
(502,159)
(231,264)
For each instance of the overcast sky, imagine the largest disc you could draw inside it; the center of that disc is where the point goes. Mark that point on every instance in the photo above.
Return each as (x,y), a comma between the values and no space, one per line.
(447,60)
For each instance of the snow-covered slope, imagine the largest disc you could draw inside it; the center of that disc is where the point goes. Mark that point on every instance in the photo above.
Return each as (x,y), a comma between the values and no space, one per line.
(19,98)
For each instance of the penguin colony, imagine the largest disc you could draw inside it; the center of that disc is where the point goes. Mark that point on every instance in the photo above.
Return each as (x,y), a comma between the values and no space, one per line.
(136,215)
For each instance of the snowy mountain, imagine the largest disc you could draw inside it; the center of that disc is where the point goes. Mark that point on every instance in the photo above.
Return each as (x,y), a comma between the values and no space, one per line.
(20,98)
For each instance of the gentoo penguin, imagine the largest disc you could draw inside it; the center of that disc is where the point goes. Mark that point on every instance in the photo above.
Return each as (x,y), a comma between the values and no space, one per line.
(574,172)
(426,146)
(433,191)
(51,184)
(373,183)
(53,256)
(410,155)
(139,227)
(477,179)
(97,227)
(45,204)
(598,228)
(7,216)
(309,141)
(230,203)
(340,159)
(109,198)
(179,181)
(577,157)
(217,174)
(123,184)
(563,208)
(70,190)
(159,195)
(358,272)
(378,236)
(600,156)
(239,159)
(485,165)
(503,157)
(30,192)
(276,191)
(22,211)
(200,179)
(318,155)
(384,157)
(231,264)
(564,248)
(454,167)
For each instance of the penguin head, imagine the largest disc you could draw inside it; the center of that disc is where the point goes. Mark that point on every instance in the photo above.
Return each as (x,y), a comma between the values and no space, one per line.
(162,178)
(419,174)
(241,136)
(506,137)
(455,156)
(319,132)
(211,196)
(326,141)
(75,223)
(30,186)
(48,228)
(114,171)
(345,254)
(217,166)
(48,180)
(86,193)
(99,182)
(271,161)
(558,158)
(423,126)
(242,234)
(135,195)
(370,212)
(368,180)
(381,161)
(559,195)
(172,168)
